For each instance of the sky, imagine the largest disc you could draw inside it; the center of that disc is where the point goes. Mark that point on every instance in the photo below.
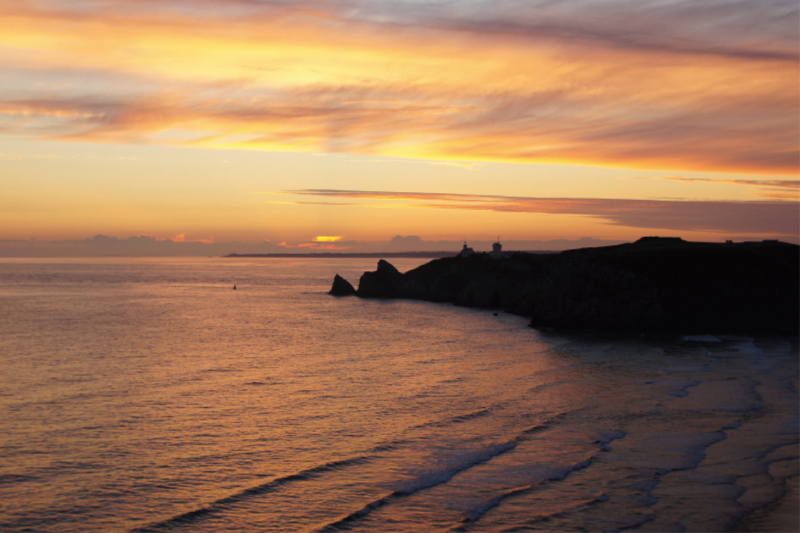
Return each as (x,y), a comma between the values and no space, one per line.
(341,125)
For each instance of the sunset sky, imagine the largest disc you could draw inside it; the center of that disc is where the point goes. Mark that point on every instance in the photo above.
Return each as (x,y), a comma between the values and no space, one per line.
(302,125)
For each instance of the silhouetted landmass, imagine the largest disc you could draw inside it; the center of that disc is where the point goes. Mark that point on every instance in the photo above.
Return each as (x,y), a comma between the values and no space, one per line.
(342,287)
(657,285)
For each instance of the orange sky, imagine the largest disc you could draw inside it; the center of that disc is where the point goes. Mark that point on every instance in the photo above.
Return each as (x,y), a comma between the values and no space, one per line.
(210,119)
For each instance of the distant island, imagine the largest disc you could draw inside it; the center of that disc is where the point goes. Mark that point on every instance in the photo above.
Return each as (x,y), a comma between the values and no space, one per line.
(655,285)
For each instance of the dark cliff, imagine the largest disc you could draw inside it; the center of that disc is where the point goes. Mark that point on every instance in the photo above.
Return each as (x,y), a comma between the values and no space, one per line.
(652,285)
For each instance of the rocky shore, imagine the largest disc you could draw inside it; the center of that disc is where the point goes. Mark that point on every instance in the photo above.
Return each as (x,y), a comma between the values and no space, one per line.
(655,285)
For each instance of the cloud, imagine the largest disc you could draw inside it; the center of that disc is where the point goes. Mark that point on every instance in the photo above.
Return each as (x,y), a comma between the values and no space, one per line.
(647,84)
(769,188)
(771,218)
(787,184)
(311,246)
(182,238)
(731,29)
(411,242)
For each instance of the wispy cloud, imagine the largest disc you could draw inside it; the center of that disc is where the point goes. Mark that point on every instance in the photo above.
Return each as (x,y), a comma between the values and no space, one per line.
(769,188)
(646,84)
(770,218)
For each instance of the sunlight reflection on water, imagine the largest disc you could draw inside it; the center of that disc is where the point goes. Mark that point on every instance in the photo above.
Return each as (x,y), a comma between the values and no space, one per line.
(148,393)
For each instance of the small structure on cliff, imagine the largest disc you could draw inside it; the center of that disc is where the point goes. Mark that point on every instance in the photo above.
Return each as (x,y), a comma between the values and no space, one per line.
(497,250)
(466,252)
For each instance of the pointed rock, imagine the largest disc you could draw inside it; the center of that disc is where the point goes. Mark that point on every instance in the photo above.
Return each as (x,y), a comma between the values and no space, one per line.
(341,287)
(385,268)
(383,283)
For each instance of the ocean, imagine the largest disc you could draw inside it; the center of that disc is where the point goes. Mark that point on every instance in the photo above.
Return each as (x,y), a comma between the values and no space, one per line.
(147,395)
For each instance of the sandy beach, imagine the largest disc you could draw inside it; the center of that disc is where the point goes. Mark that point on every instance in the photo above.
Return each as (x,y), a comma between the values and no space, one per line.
(783,516)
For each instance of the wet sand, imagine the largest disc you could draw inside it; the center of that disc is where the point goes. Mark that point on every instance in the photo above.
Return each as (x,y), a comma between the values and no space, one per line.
(782,516)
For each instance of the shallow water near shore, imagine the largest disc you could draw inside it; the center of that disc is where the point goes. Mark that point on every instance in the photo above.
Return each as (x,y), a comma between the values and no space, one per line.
(148,395)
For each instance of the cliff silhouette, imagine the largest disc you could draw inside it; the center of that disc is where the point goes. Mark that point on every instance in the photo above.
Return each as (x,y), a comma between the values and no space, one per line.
(655,285)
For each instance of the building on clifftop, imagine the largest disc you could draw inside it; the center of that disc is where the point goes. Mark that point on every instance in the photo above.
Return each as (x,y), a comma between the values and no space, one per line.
(497,251)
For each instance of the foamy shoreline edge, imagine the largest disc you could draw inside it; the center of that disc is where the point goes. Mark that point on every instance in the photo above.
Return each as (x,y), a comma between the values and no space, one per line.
(782,515)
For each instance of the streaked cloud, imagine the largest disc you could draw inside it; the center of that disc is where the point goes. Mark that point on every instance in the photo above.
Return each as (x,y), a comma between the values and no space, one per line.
(647,84)
(768,188)
(769,218)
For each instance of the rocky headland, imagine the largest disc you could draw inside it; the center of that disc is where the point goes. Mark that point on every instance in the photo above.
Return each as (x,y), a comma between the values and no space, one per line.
(655,285)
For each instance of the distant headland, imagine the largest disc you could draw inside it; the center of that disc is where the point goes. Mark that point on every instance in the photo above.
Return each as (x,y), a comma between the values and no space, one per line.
(655,285)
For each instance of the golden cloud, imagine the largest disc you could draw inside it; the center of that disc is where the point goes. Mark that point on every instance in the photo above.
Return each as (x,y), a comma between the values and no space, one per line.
(769,217)
(548,85)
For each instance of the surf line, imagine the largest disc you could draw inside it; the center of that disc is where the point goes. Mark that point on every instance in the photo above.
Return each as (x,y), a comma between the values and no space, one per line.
(477,513)
(223,503)
(418,485)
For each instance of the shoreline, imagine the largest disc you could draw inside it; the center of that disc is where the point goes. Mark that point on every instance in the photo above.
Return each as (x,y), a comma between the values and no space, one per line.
(780,516)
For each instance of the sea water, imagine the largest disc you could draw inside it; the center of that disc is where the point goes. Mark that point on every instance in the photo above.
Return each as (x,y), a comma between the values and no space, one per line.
(149,395)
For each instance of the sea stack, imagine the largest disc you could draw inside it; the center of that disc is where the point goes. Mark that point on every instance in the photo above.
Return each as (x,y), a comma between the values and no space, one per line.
(341,287)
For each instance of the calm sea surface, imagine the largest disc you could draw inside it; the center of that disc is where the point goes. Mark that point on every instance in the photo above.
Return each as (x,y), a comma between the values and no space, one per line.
(148,395)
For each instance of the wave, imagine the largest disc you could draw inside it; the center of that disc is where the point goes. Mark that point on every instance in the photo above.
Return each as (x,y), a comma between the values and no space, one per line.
(424,481)
(222,504)
(603,438)
(470,416)
(606,437)
(15,478)
(478,512)
(459,419)
(547,424)
(481,510)
(635,525)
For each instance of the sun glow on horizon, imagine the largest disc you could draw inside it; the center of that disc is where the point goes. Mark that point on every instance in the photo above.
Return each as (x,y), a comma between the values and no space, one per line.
(127,118)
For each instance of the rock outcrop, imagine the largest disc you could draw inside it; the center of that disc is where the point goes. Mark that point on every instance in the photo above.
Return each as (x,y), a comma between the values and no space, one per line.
(383,283)
(653,285)
(341,287)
